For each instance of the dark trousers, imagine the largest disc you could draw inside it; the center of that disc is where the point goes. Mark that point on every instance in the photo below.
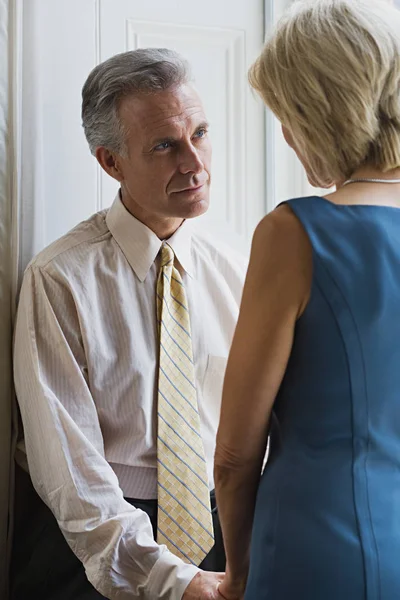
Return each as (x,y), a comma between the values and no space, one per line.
(43,565)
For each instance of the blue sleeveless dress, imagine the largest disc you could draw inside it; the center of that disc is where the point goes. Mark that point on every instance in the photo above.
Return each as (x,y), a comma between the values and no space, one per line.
(327,520)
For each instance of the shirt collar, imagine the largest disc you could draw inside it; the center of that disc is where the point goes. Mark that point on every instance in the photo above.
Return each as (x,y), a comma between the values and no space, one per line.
(140,244)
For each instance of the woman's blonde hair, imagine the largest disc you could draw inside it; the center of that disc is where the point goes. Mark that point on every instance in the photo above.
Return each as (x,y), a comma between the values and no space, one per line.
(331,74)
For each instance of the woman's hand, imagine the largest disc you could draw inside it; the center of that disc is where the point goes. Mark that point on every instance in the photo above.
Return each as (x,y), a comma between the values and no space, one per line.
(230,590)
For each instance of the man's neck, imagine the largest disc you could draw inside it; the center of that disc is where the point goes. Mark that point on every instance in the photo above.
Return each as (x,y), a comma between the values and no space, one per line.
(163,227)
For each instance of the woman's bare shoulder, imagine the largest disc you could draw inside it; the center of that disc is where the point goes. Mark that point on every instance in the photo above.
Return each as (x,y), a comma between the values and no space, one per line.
(281,249)
(282,231)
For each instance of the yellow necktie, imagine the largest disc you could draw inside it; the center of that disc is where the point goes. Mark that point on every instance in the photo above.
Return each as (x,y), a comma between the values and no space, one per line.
(184,512)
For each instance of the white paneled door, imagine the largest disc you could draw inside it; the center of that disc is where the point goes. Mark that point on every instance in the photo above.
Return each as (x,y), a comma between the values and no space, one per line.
(62,41)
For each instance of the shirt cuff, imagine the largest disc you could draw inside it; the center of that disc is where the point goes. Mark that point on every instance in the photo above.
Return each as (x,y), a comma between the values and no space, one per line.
(169,577)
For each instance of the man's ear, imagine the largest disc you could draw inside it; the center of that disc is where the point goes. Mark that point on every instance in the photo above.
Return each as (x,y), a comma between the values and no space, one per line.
(109,161)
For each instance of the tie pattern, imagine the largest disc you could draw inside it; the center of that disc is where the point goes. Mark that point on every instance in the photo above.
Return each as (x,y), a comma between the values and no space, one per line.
(184,512)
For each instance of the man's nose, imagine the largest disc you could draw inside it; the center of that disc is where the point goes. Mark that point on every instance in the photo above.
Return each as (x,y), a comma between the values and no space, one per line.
(190,161)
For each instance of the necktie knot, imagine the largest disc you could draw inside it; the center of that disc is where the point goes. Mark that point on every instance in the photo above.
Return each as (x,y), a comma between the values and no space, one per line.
(167,256)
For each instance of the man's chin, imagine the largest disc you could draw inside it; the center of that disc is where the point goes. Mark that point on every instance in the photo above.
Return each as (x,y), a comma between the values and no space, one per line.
(191,207)
(196,209)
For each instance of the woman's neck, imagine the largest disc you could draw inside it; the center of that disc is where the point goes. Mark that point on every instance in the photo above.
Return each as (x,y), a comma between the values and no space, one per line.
(371,173)
(365,192)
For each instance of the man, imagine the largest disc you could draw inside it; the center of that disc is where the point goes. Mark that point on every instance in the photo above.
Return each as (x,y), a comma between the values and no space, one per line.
(123,328)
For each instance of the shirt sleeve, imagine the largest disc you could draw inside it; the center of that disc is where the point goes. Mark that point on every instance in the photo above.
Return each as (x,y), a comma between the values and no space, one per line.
(65,452)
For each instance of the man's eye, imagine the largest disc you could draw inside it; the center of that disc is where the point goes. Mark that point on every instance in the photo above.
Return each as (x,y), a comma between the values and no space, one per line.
(201,133)
(162,146)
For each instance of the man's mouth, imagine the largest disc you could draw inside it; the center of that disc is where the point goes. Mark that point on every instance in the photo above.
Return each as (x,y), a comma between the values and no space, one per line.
(191,189)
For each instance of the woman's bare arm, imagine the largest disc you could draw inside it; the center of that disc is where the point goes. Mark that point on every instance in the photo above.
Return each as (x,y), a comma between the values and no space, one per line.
(276,292)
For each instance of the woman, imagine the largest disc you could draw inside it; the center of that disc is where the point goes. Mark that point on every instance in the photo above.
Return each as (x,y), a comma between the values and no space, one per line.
(317,346)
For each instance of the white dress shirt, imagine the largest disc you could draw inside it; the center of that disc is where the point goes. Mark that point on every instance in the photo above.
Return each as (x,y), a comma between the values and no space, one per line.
(86,354)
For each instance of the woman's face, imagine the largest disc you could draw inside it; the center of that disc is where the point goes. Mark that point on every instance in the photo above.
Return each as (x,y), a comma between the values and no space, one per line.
(287,134)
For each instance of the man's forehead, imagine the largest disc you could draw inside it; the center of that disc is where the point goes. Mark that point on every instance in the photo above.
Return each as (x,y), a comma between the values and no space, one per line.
(174,107)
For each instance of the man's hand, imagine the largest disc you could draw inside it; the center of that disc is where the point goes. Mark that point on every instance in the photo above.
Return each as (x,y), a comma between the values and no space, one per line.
(204,586)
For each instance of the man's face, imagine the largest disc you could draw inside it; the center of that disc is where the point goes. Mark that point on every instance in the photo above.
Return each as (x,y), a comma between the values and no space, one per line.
(166,172)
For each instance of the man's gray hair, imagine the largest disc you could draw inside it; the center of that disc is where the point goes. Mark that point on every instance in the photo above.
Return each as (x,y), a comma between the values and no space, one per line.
(146,70)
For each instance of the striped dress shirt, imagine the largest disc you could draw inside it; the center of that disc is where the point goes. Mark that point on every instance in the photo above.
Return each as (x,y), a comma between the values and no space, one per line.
(86,354)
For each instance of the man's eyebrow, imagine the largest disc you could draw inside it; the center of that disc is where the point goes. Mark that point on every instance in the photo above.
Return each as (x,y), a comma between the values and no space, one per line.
(203,125)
